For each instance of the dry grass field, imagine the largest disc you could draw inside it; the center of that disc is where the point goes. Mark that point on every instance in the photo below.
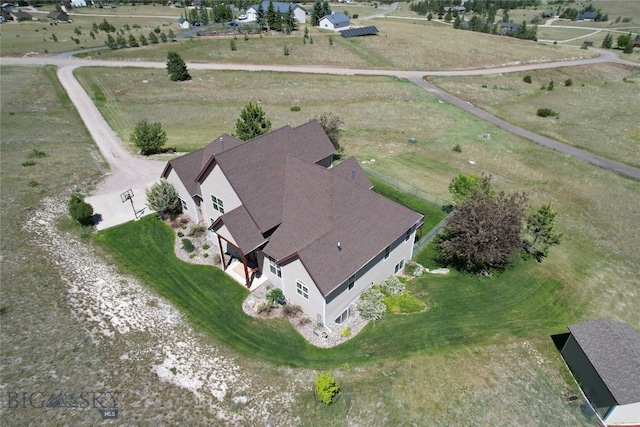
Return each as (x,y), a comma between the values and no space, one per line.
(510,381)
(424,46)
(597,112)
(37,37)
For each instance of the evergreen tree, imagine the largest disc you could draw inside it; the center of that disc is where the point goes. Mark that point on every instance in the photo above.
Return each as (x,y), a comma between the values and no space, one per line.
(316,13)
(132,41)
(163,198)
(260,17)
(111,42)
(540,234)
(252,122)
(121,43)
(607,43)
(148,137)
(153,39)
(176,67)
(143,40)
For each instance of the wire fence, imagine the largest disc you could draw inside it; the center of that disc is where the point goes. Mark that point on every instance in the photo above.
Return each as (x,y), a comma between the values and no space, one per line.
(407,188)
(429,236)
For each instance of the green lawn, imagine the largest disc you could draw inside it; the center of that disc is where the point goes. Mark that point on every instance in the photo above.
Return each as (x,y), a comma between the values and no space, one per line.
(466,310)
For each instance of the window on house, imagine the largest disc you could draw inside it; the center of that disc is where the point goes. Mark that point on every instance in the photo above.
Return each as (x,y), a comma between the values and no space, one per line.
(302,290)
(183,202)
(343,317)
(399,266)
(387,250)
(217,204)
(352,282)
(275,268)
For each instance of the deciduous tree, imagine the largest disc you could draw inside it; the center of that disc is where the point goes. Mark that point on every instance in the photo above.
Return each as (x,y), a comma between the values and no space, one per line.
(485,232)
(331,124)
(148,137)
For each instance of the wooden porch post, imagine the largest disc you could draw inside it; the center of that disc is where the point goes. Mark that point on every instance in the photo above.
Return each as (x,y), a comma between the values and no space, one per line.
(224,264)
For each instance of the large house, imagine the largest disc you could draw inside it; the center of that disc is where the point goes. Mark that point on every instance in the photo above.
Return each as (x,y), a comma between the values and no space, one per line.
(280,7)
(604,356)
(279,209)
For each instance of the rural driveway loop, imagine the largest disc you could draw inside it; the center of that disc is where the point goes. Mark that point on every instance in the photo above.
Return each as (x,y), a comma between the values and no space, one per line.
(130,171)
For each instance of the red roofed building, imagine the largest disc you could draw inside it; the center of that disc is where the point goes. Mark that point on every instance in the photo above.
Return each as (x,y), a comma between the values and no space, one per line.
(276,204)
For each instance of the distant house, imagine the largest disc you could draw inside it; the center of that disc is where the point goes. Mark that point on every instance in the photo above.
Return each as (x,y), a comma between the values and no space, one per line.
(280,7)
(507,27)
(604,356)
(335,22)
(58,16)
(280,211)
(19,16)
(588,16)
(78,3)
(184,24)
(452,9)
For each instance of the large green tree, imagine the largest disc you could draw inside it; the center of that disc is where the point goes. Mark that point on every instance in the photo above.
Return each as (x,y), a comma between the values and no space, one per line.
(485,232)
(148,137)
(176,67)
(462,187)
(252,122)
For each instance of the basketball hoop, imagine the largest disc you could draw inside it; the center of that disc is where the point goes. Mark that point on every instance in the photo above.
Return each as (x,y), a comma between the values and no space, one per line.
(128,195)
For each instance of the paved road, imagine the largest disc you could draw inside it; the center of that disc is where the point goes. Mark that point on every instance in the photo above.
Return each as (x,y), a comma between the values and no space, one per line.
(135,172)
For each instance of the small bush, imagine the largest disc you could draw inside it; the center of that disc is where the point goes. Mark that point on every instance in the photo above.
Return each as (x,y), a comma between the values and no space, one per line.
(355,16)
(274,294)
(205,255)
(187,245)
(180,234)
(287,51)
(326,387)
(527,79)
(568,82)
(80,211)
(192,255)
(371,305)
(295,108)
(232,44)
(392,286)
(304,321)
(197,231)
(205,246)
(37,154)
(345,332)
(28,163)
(550,86)
(262,306)
(457,148)
(33,183)
(216,259)
(483,86)
(543,87)
(290,310)
(546,112)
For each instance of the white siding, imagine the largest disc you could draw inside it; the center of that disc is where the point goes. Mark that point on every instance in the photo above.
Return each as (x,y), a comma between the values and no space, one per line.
(625,414)
(192,210)
(216,184)
(374,272)
(314,306)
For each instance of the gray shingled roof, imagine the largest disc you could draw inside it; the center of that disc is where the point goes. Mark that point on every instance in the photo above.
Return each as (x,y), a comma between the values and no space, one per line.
(337,18)
(350,168)
(243,229)
(189,166)
(613,348)
(322,208)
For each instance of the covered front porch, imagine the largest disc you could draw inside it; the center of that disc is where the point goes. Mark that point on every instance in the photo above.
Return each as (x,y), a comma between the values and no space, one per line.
(236,269)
